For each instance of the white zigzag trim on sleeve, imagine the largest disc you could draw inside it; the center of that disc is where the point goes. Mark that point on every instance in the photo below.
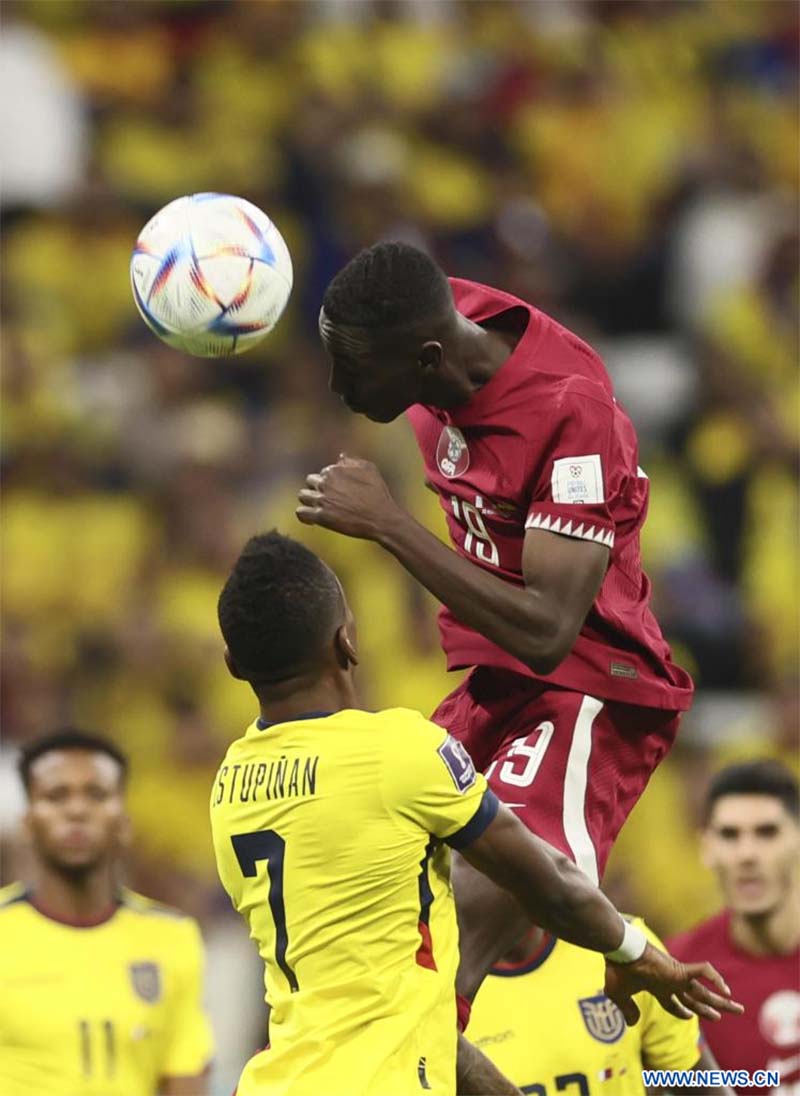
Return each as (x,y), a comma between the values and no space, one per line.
(568,529)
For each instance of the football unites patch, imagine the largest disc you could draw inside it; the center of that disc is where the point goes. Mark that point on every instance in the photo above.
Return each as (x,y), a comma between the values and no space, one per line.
(578,479)
(458,762)
(452,453)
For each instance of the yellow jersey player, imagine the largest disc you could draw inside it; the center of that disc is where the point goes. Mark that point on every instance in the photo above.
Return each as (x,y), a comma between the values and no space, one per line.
(99,987)
(332,827)
(541,1015)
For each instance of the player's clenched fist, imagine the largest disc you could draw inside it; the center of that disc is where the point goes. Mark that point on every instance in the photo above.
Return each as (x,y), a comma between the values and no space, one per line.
(676,985)
(349,497)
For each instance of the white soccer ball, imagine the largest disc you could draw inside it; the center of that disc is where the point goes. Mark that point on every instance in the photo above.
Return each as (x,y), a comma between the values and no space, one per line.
(211,274)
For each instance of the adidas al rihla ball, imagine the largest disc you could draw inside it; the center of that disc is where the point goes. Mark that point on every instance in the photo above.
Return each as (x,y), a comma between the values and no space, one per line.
(211,274)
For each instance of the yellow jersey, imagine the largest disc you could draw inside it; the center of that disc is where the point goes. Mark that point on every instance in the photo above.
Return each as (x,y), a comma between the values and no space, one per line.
(107,1010)
(331,834)
(547,1024)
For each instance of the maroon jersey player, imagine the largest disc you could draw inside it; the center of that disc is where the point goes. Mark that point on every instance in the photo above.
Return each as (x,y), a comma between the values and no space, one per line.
(573,699)
(752,842)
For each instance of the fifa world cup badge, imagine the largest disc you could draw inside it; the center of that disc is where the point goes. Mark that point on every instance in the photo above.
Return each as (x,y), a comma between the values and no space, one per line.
(452,454)
(458,762)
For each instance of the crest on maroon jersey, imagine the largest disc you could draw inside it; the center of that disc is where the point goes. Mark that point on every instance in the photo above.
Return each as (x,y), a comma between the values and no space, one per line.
(779,1018)
(452,454)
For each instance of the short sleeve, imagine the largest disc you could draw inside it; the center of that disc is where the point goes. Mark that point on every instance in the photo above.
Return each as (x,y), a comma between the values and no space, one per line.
(667,1042)
(573,478)
(429,779)
(190,1046)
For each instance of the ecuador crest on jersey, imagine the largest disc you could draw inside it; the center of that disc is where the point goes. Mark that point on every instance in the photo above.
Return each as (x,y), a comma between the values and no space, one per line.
(146,981)
(602,1018)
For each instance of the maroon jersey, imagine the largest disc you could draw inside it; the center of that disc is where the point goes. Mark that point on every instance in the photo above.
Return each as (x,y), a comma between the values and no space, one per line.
(544,445)
(767,1034)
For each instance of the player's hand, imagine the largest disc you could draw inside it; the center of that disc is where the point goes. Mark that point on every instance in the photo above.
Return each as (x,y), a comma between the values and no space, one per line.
(349,497)
(676,986)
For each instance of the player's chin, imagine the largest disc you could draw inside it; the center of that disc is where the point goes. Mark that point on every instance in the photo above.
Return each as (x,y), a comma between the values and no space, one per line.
(71,858)
(754,907)
(382,414)
(753,900)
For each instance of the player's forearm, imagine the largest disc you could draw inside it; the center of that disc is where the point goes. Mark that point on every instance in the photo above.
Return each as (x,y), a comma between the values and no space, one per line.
(477,1076)
(552,891)
(521,621)
(582,914)
(573,909)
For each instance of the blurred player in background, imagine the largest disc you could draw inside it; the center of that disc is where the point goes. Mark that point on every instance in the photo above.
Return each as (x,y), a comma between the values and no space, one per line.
(542,1017)
(752,842)
(330,828)
(574,699)
(100,988)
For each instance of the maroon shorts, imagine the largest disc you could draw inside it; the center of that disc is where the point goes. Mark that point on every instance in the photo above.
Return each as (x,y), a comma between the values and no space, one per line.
(570,766)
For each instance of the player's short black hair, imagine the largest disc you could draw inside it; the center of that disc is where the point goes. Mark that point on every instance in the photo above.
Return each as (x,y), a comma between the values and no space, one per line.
(69,738)
(755,778)
(277,608)
(387,286)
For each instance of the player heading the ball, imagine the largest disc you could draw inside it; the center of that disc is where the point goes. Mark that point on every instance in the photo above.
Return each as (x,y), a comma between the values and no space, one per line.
(572,698)
(332,830)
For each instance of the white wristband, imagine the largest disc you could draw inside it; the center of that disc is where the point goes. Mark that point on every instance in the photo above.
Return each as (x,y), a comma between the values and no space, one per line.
(632,947)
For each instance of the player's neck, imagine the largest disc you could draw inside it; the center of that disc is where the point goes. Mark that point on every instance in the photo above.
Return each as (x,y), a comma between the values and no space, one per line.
(279,706)
(773,933)
(77,899)
(481,353)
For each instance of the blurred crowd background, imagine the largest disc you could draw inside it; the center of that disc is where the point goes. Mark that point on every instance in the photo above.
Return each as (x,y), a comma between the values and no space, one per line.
(629,167)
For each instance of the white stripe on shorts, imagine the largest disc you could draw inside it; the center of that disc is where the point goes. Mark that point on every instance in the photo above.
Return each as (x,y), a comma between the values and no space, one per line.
(575,782)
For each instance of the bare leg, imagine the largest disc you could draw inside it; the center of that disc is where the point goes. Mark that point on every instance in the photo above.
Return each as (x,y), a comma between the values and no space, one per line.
(477,1076)
(489,923)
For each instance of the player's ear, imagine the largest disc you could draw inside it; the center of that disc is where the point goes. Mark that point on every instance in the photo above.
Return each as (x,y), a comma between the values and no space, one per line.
(430,356)
(345,644)
(232,669)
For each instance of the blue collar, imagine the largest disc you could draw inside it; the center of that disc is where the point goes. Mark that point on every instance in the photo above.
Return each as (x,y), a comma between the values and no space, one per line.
(527,965)
(262,726)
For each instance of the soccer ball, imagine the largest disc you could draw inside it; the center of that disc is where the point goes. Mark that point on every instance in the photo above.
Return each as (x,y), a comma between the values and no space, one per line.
(211,274)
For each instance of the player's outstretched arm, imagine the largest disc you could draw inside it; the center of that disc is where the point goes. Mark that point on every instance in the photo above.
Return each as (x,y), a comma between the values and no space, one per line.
(558,896)
(537,623)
